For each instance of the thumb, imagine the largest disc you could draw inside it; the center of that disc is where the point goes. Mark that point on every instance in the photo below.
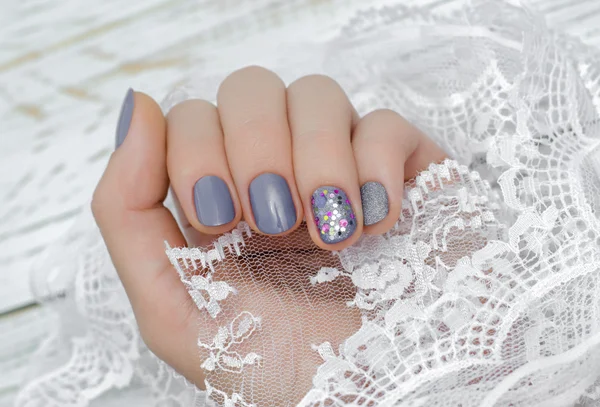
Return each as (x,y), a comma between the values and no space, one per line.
(128,208)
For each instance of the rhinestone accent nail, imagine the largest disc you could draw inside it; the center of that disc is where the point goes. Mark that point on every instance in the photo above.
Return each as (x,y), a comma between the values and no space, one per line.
(333,214)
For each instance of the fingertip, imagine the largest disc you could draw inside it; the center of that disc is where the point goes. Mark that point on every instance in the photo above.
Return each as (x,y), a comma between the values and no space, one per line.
(337,218)
(316,237)
(125,117)
(216,208)
(135,177)
(138,113)
(274,208)
(381,205)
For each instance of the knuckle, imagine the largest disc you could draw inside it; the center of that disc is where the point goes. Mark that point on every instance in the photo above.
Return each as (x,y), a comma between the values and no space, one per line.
(316,81)
(317,135)
(387,115)
(252,73)
(259,137)
(259,147)
(187,106)
(252,70)
(99,203)
(256,130)
(309,138)
(250,124)
(380,125)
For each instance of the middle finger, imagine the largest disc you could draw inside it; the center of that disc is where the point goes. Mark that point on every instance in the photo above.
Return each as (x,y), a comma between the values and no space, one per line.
(252,108)
(320,116)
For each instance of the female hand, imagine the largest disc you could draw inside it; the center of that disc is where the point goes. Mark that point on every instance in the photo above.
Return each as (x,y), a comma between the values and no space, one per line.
(272,156)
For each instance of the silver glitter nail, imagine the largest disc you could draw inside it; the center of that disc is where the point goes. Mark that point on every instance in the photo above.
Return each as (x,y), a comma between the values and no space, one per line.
(374,202)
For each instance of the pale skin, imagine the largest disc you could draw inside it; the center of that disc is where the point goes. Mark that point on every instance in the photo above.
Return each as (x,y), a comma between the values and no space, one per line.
(258,126)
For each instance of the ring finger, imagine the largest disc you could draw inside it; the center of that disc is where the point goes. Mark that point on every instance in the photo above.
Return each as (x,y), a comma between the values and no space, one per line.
(320,116)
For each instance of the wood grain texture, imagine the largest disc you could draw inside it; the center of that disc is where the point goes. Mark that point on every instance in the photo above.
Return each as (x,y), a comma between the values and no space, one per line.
(64,67)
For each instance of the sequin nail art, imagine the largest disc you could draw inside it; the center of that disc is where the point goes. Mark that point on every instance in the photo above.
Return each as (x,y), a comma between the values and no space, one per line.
(333,214)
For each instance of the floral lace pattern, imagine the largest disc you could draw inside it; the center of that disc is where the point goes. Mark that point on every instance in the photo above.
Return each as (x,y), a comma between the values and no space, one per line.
(221,355)
(104,347)
(484,293)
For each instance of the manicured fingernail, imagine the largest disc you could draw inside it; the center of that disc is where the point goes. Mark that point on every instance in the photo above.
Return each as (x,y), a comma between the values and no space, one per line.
(124,118)
(272,204)
(374,202)
(333,214)
(214,206)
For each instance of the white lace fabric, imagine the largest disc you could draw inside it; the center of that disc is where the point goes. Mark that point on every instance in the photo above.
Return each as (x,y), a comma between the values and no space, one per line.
(485,293)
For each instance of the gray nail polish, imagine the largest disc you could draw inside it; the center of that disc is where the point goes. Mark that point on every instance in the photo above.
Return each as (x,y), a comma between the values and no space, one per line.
(124,118)
(272,204)
(374,202)
(333,214)
(214,206)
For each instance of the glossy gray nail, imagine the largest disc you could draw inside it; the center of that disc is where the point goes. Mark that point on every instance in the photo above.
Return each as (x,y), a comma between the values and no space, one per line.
(124,118)
(272,203)
(374,202)
(214,206)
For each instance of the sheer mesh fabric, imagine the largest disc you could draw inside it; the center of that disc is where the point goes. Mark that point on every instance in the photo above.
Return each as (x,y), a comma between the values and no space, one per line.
(485,293)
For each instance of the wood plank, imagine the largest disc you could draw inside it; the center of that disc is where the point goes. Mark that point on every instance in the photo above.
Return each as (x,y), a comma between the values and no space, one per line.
(64,67)
(59,100)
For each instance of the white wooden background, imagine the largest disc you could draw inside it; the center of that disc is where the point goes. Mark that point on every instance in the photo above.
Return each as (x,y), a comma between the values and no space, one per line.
(64,68)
